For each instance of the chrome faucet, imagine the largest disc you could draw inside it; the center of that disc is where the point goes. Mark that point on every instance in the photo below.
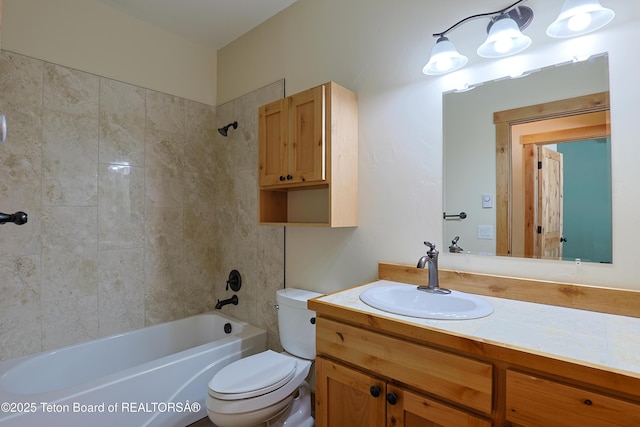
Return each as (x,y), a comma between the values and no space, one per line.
(454,248)
(430,260)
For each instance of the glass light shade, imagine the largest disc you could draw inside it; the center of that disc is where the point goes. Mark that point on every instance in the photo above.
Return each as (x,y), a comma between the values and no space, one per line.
(579,17)
(444,58)
(504,39)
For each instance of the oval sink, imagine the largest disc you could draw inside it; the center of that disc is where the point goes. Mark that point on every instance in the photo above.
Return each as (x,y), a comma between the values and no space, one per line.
(409,301)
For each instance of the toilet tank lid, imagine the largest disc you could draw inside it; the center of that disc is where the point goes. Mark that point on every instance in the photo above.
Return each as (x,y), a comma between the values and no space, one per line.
(295,297)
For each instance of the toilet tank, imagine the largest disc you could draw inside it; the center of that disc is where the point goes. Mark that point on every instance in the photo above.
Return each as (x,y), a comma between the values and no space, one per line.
(295,324)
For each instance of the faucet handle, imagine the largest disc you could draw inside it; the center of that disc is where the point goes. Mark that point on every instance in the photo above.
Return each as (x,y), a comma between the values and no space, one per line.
(430,245)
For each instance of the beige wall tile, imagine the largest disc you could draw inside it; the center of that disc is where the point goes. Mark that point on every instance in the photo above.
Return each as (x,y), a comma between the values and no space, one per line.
(120,290)
(144,208)
(20,178)
(163,265)
(122,123)
(120,207)
(21,82)
(164,168)
(69,320)
(69,159)
(20,329)
(69,252)
(165,112)
(70,91)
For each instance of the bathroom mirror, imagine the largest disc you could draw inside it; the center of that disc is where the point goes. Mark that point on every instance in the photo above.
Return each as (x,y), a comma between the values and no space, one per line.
(498,134)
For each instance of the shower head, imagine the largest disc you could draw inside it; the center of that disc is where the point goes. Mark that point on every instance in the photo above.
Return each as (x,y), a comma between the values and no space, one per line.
(223,130)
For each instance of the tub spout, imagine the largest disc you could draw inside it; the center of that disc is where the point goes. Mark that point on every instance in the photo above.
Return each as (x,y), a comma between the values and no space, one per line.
(233,300)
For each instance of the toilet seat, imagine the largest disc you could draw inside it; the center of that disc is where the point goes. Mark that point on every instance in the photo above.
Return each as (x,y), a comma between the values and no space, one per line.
(230,404)
(253,376)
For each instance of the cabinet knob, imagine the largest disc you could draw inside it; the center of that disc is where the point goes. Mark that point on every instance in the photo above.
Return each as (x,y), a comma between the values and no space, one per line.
(588,402)
(282,178)
(392,398)
(289,177)
(374,390)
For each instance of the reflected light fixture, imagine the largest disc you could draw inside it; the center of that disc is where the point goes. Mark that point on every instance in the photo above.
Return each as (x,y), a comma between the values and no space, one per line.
(579,17)
(505,36)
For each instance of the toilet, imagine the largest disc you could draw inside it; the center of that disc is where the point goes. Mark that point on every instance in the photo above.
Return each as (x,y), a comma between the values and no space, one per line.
(269,388)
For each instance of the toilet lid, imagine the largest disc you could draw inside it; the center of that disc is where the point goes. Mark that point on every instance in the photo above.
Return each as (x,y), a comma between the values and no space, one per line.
(253,376)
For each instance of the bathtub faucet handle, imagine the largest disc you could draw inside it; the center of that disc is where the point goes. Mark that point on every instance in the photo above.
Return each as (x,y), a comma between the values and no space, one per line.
(235,281)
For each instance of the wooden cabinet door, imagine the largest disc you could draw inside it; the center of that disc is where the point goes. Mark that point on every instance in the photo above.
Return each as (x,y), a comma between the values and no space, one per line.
(533,401)
(409,409)
(307,139)
(272,143)
(346,397)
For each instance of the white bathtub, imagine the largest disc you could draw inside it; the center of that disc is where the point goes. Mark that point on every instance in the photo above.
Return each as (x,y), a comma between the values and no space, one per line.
(155,376)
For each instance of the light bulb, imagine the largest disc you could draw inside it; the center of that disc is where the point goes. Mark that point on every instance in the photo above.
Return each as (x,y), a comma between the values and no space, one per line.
(503,44)
(444,64)
(579,22)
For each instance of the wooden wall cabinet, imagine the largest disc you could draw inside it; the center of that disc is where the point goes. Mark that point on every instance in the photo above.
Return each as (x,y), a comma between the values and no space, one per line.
(308,158)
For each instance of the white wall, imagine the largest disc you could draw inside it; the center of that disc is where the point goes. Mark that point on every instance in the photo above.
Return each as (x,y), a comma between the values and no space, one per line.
(377,48)
(92,37)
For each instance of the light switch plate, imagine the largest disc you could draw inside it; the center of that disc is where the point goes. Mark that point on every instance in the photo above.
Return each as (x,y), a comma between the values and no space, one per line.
(487,201)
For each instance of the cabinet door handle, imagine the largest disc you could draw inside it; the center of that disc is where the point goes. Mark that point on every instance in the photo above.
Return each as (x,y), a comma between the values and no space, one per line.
(588,402)
(374,390)
(289,177)
(282,178)
(392,398)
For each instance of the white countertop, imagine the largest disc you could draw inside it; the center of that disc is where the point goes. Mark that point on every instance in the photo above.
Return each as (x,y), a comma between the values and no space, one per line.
(587,337)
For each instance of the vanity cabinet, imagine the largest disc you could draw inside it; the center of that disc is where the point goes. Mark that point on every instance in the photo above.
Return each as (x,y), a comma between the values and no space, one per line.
(308,158)
(350,397)
(369,379)
(536,401)
(447,378)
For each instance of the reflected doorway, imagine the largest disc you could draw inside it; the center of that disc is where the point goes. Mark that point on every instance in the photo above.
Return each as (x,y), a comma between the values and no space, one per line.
(533,145)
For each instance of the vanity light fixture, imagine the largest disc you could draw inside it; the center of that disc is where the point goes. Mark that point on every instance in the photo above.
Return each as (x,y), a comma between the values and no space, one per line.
(505,36)
(444,58)
(579,17)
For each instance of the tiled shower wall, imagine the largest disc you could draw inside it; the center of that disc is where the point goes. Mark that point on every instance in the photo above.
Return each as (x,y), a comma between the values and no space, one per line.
(138,208)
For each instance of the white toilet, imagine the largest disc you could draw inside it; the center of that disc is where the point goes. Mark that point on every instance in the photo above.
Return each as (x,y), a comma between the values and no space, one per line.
(269,388)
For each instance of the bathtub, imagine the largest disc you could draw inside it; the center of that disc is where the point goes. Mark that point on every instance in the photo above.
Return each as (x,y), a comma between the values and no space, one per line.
(155,376)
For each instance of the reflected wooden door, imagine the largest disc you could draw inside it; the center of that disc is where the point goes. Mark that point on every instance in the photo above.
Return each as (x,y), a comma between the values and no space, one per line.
(550,202)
